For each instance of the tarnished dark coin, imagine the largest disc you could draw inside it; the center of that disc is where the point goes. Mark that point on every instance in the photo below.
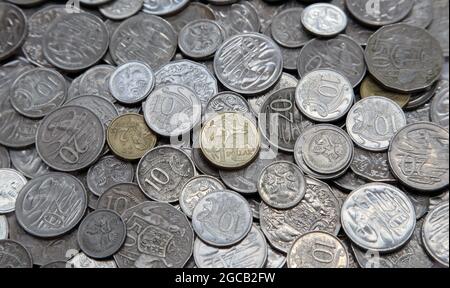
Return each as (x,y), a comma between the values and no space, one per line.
(4,228)
(75,41)
(203,164)
(121,9)
(37,92)
(101,234)
(13,29)
(287,29)
(5,161)
(251,252)
(16,131)
(358,32)
(105,110)
(317,250)
(55,265)
(226,102)
(419,155)
(222,218)
(373,166)
(197,188)
(248,71)
(421,14)
(28,162)
(95,81)
(370,221)
(194,11)
(121,197)
(70,138)
(420,202)
(11,183)
(324,20)
(435,233)
(398,50)
(53,190)
(163,7)
(379,13)
(8,74)
(162,173)
(440,25)
(145,38)
(341,54)
(318,211)
(373,122)
(158,235)
(82,261)
(107,172)
(440,105)
(324,95)
(14,255)
(369,87)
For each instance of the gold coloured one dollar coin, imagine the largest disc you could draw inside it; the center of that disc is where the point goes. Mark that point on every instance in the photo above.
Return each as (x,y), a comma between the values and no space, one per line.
(371,88)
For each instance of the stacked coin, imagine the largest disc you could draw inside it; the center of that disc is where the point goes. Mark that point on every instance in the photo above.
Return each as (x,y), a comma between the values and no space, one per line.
(224,134)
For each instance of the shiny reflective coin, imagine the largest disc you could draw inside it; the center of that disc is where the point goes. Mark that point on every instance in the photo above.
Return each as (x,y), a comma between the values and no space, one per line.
(14,255)
(378,217)
(341,54)
(38,92)
(439,26)
(318,211)
(440,105)
(280,121)
(129,137)
(389,67)
(101,234)
(287,29)
(373,122)
(379,13)
(81,260)
(317,250)
(158,236)
(230,140)
(282,185)
(370,88)
(163,7)
(424,143)
(195,189)
(13,29)
(145,38)
(16,131)
(54,190)
(28,162)
(121,9)
(5,161)
(421,14)
(324,20)
(373,166)
(249,253)
(222,218)
(435,233)
(172,110)
(121,197)
(105,110)
(162,173)
(132,82)
(95,81)
(71,138)
(75,41)
(107,172)
(248,71)
(226,102)
(324,95)
(4,228)
(11,183)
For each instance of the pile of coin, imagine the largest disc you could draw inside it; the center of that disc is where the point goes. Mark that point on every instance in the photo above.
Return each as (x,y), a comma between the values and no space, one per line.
(224,133)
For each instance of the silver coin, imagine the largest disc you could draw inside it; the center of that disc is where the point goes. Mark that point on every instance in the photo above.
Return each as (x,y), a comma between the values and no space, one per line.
(280,121)
(14,255)
(37,92)
(379,13)
(247,70)
(421,14)
(421,98)
(107,172)
(121,9)
(8,74)
(251,252)
(373,122)
(172,110)
(121,197)
(287,28)
(4,228)
(226,102)
(358,32)
(70,138)
(163,7)
(202,164)
(95,81)
(11,183)
(424,58)
(75,41)
(421,114)
(318,211)
(436,200)
(324,95)
(81,260)
(435,233)
(132,82)
(101,234)
(105,110)
(145,38)
(162,173)
(5,161)
(222,218)
(94,2)
(324,20)
(194,11)
(195,189)
(421,203)
(282,185)
(28,162)
(275,259)
(200,39)
(13,29)
(74,89)
(55,265)
(378,217)
(372,166)
(419,155)
(352,262)
(16,131)
(254,203)
(190,74)
(341,54)
(439,26)
(440,105)
(158,236)
(350,181)
(53,190)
